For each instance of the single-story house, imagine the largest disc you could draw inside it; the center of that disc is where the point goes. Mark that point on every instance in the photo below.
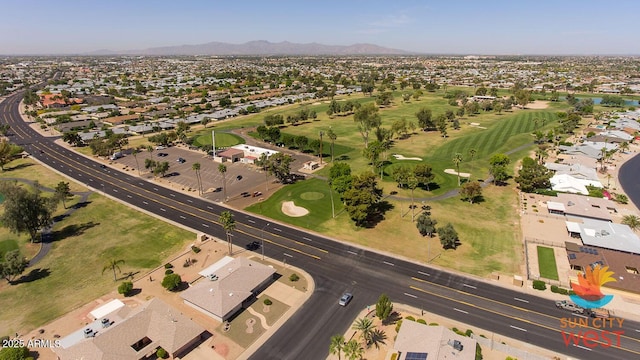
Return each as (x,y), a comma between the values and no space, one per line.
(605,234)
(417,341)
(570,184)
(123,333)
(226,286)
(231,154)
(572,205)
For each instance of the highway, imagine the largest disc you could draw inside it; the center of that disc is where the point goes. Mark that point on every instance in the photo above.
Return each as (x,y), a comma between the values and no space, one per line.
(335,267)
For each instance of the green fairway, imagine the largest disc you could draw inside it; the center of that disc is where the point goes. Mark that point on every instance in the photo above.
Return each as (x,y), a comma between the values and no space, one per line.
(70,275)
(6,246)
(547,263)
(223,139)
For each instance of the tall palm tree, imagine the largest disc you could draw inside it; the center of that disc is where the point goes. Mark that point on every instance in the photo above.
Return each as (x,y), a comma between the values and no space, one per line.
(624,146)
(196,168)
(366,327)
(541,154)
(113,265)
(412,183)
(222,168)
(353,350)
(472,153)
(228,224)
(150,151)
(457,159)
(332,137)
(337,345)
(631,221)
(135,152)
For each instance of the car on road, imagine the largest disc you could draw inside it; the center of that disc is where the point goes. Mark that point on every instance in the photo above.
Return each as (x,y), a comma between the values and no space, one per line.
(254,245)
(181,160)
(256,193)
(163,154)
(345,299)
(160,147)
(245,194)
(239,177)
(569,306)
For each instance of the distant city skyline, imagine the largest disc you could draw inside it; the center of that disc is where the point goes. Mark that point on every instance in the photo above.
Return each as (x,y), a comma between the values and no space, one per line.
(33,27)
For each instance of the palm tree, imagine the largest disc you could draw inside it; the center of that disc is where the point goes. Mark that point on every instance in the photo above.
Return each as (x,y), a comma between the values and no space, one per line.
(353,350)
(457,159)
(332,137)
(222,168)
(412,183)
(337,345)
(365,326)
(150,151)
(541,154)
(631,221)
(378,337)
(624,146)
(228,224)
(113,265)
(135,152)
(472,153)
(196,168)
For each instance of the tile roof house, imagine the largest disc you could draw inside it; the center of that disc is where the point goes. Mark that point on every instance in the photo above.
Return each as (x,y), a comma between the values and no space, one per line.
(133,333)
(418,341)
(226,285)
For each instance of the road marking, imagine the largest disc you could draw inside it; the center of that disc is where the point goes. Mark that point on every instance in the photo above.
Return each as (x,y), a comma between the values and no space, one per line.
(182,217)
(115,190)
(388,263)
(162,209)
(285,254)
(251,221)
(156,189)
(129,196)
(424,273)
(582,347)
(276,229)
(141,183)
(209,207)
(79,174)
(352,252)
(518,328)
(306,238)
(146,203)
(90,179)
(172,195)
(521,300)
(205,225)
(411,295)
(462,311)
(469,286)
(190,201)
(637,330)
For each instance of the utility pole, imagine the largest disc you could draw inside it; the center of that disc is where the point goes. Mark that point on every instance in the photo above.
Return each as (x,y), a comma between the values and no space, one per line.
(321,133)
(262,245)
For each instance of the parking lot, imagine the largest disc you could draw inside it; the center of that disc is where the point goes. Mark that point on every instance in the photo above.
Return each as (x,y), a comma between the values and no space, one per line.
(245,183)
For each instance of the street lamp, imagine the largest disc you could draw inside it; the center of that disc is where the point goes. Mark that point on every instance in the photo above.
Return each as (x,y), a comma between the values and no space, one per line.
(262,244)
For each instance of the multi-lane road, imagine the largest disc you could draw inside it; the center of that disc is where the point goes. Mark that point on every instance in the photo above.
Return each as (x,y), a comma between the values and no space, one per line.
(335,267)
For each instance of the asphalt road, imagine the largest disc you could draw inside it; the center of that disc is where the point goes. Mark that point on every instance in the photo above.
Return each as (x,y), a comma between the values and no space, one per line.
(335,267)
(628,176)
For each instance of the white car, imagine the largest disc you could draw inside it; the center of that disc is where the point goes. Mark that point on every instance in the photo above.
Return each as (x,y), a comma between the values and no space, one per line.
(160,147)
(344,300)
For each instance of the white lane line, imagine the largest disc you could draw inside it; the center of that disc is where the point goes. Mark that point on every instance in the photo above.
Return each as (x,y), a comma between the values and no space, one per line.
(163,209)
(205,225)
(469,286)
(129,196)
(182,217)
(352,252)
(411,295)
(285,254)
(424,273)
(172,195)
(251,221)
(146,203)
(517,328)
(209,207)
(462,311)
(637,330)
(189,201)
(79,174)
(115,190)
(141,183)
(276,229)
(388,263)
(306,238)
(521,300)
(155,189)
(90,179)
(582,347)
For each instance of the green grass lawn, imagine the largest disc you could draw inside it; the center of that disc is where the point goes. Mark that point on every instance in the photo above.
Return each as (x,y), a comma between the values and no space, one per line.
(547,263)
(6,246)
(238,330)
(223,140)
(275,312)
(71,274)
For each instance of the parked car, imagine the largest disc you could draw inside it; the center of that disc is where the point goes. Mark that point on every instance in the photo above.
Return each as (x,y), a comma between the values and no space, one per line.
(239,177)
(181,160)
(345,299)
(163,154)
(160,147)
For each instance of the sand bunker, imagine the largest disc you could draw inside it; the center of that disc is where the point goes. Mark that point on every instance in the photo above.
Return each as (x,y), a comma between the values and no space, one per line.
(453,172)
(290,209)
(401,157)
(538,104)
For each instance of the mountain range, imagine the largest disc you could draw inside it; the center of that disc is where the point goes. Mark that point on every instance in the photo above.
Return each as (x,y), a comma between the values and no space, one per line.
(259,47)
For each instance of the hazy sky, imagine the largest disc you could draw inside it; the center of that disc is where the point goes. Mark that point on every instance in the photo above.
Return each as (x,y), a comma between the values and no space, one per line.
(445,26)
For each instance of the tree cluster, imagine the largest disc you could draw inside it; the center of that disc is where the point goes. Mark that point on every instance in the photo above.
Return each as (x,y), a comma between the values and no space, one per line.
(13,265)
(533,176)
(26,211)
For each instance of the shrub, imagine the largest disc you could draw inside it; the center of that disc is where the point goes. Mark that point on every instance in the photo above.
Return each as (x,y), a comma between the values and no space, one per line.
(422,321)
(168,266)
(267,302)
(168,271)
(539,285)
(468,333)
(410,318)
(195,249)
(161,353)
(559,290)
(398,324)
(433,324)
(125,288)
(394,356)
(294,277)
(171,281)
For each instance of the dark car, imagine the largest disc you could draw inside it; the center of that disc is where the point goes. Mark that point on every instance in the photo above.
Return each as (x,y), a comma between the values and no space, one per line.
(239,177)
(181,160)
(254,245)
(163,154)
